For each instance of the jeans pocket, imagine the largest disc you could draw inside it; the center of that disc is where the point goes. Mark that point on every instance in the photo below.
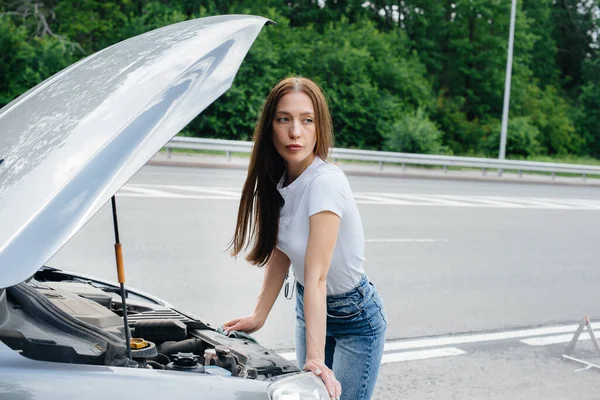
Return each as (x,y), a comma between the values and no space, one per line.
(344,310)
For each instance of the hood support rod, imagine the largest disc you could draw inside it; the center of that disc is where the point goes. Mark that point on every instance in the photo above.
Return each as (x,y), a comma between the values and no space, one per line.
(121,275)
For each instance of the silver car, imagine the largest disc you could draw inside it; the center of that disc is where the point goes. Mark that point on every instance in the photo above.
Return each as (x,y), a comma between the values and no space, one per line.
(66,147)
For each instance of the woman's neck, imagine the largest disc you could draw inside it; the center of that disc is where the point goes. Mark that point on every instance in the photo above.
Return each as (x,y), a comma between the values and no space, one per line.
(294,170)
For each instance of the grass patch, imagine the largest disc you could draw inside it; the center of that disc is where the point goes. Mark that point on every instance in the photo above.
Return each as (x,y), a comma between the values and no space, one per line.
(566,160)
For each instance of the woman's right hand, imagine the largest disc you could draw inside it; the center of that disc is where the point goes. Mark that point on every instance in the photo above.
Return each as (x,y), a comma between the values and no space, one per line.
(249,324)
(319,368)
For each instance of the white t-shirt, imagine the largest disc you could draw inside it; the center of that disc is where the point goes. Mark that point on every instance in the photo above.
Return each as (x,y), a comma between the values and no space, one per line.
(322,187)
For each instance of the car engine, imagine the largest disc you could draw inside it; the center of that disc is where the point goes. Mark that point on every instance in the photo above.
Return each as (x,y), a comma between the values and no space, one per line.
(62,317)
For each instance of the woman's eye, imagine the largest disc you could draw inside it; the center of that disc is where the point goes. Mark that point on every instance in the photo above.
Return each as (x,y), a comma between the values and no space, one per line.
(281,120)
(308,120)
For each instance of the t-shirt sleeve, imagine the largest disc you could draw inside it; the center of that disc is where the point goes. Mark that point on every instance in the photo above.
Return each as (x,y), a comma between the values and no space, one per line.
(328,192)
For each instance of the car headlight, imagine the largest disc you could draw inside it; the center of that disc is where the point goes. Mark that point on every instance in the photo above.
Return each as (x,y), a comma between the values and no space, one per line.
(304,386)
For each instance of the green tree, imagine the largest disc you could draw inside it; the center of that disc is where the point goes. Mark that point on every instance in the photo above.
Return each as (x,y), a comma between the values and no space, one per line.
(370,78)
(521,142)
(154,14)
(25,62)
(551,115)
(588,112)
(544,51)
(388,67)
(94,24)
(415,133)
(574,21)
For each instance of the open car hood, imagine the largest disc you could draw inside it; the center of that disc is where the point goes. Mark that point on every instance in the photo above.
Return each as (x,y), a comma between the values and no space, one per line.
(73,141)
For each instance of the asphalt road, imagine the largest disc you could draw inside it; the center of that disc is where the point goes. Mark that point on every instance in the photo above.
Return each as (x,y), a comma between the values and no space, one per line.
(450,259)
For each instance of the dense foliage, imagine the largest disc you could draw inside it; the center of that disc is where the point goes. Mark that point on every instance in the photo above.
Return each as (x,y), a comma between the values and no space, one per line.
(421,76)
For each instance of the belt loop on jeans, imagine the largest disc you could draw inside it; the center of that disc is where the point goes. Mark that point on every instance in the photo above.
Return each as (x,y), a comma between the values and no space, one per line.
(361,288)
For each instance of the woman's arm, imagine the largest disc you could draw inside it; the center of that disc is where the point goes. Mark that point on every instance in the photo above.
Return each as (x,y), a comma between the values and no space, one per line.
(275,272)
(322,237)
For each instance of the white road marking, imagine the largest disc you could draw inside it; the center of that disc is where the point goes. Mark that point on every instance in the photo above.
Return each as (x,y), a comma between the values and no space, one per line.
(149,192)
(531,202)
(421,354)
(404,356)
(434,200)
(375,198)
(365,198)
(442,200)
(235,194)
(480,201)
(482,337)
(395,351)
(582,203)
(569,202)
(174,196)
(425,240)
(555,339)
(147,173)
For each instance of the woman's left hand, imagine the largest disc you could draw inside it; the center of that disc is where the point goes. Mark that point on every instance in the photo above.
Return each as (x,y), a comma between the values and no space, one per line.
(319,368)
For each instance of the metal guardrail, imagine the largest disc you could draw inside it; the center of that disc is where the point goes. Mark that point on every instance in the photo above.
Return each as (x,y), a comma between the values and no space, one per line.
(382,157)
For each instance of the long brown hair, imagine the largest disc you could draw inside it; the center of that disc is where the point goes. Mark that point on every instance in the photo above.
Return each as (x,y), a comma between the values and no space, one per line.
(260,204)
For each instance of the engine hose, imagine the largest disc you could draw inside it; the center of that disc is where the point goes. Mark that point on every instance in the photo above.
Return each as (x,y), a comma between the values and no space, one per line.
(184,346)
(155,365)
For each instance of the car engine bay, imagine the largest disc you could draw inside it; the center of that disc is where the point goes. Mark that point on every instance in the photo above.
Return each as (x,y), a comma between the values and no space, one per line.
(65,318)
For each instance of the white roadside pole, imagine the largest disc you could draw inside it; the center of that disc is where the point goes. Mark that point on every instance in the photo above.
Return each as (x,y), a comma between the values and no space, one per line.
(511,41)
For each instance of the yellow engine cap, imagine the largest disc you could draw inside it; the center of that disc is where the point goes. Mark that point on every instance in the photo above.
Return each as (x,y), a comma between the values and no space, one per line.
(138,343)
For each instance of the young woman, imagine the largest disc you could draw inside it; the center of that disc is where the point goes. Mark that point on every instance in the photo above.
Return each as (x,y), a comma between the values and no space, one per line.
(297,209)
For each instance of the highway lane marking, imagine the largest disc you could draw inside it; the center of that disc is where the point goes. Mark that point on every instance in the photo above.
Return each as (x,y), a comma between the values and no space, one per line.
(421,354)
(149,191)
(405,355)
(555,339)
(553,204)
(424,240)
(481,201)
(481,337)
(365,198)
(378,198)
(420,349)
(443,200)
(146,192)
(223,175)
(424,199)
(175,196)
(233,193)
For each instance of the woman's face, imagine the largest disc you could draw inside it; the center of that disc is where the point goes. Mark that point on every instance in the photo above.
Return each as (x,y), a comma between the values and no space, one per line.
(294,131)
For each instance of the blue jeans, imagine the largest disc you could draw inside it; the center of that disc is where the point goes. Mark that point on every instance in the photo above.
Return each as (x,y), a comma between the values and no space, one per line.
(356,324)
